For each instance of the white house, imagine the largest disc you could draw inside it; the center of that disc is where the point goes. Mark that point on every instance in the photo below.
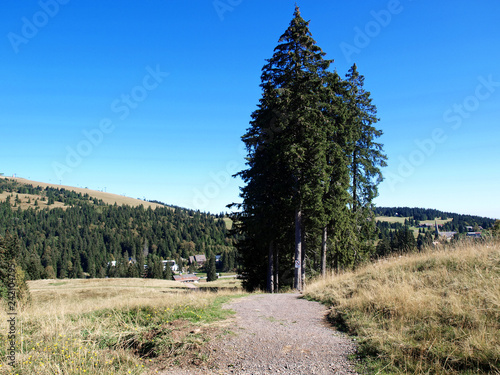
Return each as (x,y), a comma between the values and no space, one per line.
(173,266)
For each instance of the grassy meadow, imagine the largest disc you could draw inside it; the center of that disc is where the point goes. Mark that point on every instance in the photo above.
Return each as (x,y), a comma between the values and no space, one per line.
(436,312)
(112,326)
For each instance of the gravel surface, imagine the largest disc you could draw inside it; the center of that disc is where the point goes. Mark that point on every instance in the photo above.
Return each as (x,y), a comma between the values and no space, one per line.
(277,334)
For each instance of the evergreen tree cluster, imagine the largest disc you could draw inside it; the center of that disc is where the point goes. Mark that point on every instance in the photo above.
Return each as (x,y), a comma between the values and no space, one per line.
(399,237)
(313,168)
(423,214)
(87,237)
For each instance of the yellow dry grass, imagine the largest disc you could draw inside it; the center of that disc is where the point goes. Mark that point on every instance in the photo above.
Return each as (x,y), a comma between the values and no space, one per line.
(83,295)
(394,219)
(435,312)
(109,326)
(28,200)
(107,198)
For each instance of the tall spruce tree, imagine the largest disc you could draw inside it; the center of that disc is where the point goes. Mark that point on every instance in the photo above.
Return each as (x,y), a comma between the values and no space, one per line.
(287,146)
(366,159)
(313,168)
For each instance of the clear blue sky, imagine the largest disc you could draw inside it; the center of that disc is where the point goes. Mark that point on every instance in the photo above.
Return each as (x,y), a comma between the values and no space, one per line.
(150,98)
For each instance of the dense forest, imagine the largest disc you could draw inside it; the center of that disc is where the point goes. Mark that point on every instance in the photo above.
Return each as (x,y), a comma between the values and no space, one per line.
(85,237)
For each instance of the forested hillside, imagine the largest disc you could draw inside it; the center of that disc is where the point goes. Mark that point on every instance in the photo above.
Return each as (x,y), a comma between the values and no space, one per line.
(405,229)
(423,214)
(81,235)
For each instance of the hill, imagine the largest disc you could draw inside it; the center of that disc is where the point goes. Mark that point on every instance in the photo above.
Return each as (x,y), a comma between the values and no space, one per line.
(435,312)
(107,198)
(64,233)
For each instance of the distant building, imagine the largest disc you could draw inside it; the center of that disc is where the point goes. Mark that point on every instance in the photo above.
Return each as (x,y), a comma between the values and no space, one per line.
(447,235)
(198,259)
(426,225)
(173,266)
(188,278)
(474,234)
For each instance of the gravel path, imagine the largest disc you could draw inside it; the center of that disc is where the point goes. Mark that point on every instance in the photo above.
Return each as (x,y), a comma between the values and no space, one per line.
(277,334)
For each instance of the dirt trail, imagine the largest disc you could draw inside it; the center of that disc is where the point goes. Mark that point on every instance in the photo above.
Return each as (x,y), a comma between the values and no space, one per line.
(277,334)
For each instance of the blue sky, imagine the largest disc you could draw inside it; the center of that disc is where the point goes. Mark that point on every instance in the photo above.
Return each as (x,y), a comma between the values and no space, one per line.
(149,99)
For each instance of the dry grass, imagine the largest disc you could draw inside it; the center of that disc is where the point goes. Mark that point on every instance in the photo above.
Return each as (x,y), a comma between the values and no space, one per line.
(436,312)
(28,200)
(107,198)
(110,326)
(394,219)
(221,283)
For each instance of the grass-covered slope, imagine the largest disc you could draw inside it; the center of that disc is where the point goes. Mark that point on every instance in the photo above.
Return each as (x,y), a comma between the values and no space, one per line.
(110,326)
(436,312)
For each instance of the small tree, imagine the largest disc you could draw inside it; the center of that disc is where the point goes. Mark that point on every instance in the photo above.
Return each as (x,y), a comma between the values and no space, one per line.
(167,272)
(211,272)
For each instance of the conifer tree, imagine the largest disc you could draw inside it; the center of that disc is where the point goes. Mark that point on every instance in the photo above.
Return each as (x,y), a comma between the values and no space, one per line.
(167,272)
(211,272)
(313,167)
(287,146)
(366,159)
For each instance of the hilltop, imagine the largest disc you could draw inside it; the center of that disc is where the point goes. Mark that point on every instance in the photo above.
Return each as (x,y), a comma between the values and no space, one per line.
(107,198)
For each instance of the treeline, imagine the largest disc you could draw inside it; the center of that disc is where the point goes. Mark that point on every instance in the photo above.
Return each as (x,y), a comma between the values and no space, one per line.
(88,238)
(313,168)
(399,237)
(423,214)
(401,240)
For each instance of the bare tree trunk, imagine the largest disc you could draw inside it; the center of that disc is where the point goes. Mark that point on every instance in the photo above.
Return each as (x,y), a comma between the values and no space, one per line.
(270,269)
(304,251)
(298,251)
(276,270)
(303,264)
(323,251)
(354,182)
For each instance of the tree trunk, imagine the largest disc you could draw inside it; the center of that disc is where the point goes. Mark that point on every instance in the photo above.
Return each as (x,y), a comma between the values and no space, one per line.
(354,182)
(323,251)
(303,258)
(270,269)
(276,270)
(298,251)
(303,266)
